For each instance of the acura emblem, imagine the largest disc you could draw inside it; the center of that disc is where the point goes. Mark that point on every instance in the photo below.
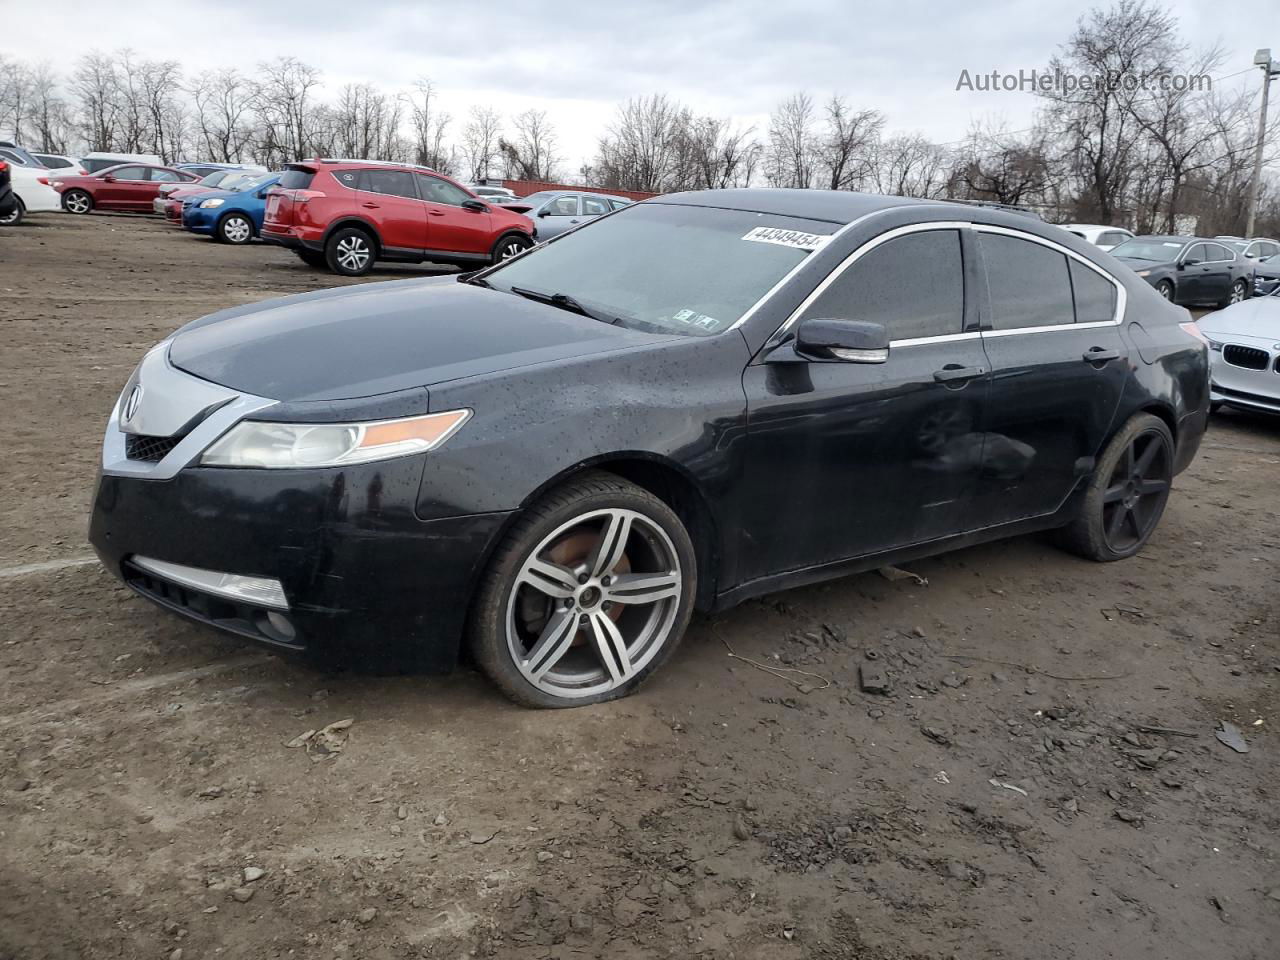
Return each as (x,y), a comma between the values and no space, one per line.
(131,404)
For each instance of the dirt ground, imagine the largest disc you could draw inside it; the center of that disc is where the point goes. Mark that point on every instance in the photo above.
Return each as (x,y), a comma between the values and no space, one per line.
(1041,780)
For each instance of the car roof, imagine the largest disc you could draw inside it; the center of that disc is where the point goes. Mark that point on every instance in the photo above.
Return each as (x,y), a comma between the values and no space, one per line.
(1168,238)
(833,206)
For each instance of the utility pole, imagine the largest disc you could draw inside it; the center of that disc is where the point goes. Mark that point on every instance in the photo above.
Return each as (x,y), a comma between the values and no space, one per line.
(1270,68)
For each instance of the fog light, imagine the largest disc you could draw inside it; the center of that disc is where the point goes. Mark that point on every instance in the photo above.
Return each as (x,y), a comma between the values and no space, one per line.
(282,625)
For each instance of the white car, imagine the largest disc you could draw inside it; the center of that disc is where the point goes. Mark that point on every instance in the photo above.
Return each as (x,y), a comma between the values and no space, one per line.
(1101,236)
(61,164)
(93,162)
(31,187)
(1244,350)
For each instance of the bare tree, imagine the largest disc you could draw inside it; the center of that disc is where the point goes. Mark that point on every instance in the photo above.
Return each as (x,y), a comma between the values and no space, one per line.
(531,153)
(16,94)
(791,158)
(909,165)
(429,124)
(1003,167)
(846,149)
(480,141)
(283,98)
(96,88)
(223,114)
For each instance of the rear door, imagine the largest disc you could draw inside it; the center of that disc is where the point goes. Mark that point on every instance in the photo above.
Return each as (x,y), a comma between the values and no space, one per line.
(593,207)
(1220,270)
(1058,367)
(390,201)
(451,228)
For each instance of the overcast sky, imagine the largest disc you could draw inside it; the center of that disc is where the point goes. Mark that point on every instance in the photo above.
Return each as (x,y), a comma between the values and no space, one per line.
(577,59)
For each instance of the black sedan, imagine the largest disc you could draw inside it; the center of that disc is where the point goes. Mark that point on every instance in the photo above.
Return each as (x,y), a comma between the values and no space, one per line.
(1189,270)
(692,401)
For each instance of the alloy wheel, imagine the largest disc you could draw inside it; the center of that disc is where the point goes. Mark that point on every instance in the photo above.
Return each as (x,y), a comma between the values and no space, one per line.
(510,249)
(353,253)
(1237,291)
(1165,290)
(237,230)
(593,603)
(12,217)
(78,203)
(1136,491)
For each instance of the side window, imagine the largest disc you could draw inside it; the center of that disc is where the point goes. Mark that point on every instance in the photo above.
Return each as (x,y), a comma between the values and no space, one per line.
(164,176)
(1197,252)
(591,207)
(1095,296)
(13,157)
(1028,283)
(1218,252)
(391,183)
(130,173)
(618,204)
(564,207)
(436,190)
(913,284)
(1268,249)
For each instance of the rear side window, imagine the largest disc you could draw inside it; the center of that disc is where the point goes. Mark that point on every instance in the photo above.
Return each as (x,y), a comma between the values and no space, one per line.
(164,176)
(391,183)
(1027,283)
(592,207)
(297,179)
(1218,252)
(130,173)
(618,204)
(435,190)
(913,285)
(1095,296)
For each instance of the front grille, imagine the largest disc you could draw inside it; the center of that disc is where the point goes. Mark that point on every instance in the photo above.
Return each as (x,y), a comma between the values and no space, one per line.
(148,449)
(1251,358)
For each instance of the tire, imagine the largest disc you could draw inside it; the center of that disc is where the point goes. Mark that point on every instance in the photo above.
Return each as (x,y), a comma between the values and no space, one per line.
(1117,518)
(15,216)
(509,246)
(234,228)
(1239,293)
(77,201)
(312,258)
(350,252)
(1165,289)
(568,606)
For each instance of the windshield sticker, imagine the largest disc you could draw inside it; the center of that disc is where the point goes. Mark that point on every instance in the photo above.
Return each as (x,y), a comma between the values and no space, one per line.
(787,238)
(691,318)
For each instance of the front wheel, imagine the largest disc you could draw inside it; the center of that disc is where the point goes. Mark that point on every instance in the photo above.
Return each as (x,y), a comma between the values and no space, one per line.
(14,217)
(234,228)
(349,252)
(1128,492)
(589,593)
(77,201)
(1239,291)
(510,246)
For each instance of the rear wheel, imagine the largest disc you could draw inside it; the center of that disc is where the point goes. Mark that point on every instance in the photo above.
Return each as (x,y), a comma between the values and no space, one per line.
(234,228)
(349,252)
(1239,291)
(1165,289)
(509,246)
(14,217)
(1127,494)
(589,593)
(77,201)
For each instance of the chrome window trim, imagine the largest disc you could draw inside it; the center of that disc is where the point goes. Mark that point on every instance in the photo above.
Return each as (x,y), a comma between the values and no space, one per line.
(845,264)
(943,338)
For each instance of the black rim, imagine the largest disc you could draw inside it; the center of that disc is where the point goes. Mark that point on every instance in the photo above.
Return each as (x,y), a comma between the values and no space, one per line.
(1136,492)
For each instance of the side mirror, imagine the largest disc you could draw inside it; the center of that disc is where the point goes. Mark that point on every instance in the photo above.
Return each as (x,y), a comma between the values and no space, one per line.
(262,194)
(1187,263)
(474,205)
(545,213)
(109,178)
(853,341)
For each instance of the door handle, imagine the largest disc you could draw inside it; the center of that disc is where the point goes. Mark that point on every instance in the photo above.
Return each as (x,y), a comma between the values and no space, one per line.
(952,374)
(370,206)
(435,213)
(1100,355)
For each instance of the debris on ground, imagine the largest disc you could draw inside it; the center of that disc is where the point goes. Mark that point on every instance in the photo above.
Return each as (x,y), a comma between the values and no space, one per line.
(893,574)
(1230,734)
(325,743)
(873,678)
(1001,785)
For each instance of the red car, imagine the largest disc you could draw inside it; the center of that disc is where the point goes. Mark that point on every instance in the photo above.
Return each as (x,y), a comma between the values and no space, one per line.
(347,214)
(129,186)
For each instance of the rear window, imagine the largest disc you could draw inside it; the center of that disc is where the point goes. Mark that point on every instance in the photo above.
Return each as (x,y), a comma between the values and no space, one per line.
(1094,295)
(297,178)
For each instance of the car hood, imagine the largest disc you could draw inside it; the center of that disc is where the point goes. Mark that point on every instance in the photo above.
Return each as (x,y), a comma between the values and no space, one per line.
(1258,317)
(376,338)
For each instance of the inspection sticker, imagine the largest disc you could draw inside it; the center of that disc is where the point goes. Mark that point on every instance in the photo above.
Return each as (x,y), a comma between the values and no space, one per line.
(787,238)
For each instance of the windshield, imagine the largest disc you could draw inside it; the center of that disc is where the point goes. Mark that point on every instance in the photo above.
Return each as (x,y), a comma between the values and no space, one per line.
(1236,245)
(685,270)
(257,183)
(215,178)
(541,195)
(1154,250)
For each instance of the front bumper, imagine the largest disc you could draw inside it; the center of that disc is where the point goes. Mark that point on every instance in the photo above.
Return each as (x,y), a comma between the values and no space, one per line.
(368,583)
(1246,374)
(198,220)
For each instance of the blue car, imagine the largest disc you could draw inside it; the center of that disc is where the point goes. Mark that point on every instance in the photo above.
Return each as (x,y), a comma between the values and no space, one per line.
(230,216)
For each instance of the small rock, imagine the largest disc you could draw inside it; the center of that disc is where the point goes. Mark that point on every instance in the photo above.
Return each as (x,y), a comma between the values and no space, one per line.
(740,829)
(749,804)
(873,679)
(1229,734)
(253,873)
(952,681)
(402,812)
(175,953)
(843,832)
(440,820)
(918,632)
(367,915)
(145,817)
(1128,816)
(211,793)
(21,784)
(242,894)
(957,871)
(937,735)
(875,714)
(545,856)
(171,928)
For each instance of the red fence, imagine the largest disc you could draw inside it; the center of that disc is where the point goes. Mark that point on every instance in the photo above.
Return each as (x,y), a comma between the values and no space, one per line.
(522,188)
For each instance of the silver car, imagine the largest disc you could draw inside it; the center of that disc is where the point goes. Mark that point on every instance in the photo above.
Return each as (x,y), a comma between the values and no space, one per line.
(555,211)
(1244,354)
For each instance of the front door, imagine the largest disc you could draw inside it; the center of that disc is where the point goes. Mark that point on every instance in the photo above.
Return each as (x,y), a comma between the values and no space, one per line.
(122,191)
(389,200)
(1058,367)
(451,227)
(1191,279)
(847,459)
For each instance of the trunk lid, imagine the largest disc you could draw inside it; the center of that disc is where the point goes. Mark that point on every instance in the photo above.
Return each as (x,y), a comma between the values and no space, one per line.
(293,189)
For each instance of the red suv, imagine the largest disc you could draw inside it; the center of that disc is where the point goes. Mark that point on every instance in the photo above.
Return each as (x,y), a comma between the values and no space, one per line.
(345,214)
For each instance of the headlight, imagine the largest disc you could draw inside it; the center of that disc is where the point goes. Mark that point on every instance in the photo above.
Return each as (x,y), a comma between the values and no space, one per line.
(1214,345)
(1144,273)
(210,204)
(294,445)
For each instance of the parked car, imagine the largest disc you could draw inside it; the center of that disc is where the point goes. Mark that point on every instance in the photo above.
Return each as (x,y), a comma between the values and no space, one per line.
(1188,270)
(204,168)
(230,216)
(1101,236)
(8,201)
(556,211)
(485,192)
(1244,354)
(20,157)
(347,214)
(61,164)
(1266,275)
(1256,249)
(169,200)
(704,398)
(97,161)
(123,187)
(32,194)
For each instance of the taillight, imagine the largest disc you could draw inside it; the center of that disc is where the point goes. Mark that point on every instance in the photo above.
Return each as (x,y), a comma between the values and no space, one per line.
(43,180)
(302,196)
(3,166)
